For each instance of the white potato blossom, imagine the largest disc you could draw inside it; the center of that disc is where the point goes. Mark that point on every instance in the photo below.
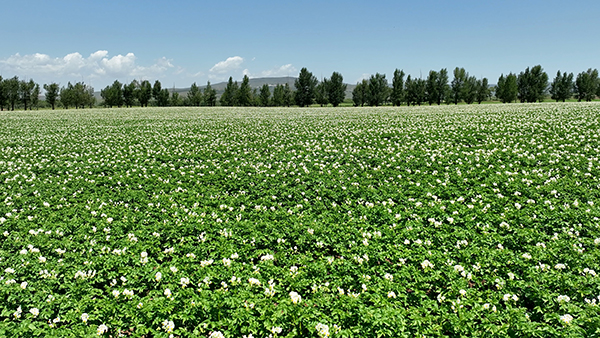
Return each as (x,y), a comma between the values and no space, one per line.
(168,326)
(566,319)
(296,299)
(216,334)
(84,317)
(101,329)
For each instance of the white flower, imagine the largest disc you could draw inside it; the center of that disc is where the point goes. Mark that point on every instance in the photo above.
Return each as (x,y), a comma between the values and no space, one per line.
(168,326)
(267,257)
(116,293)
(462,292)
(426,264)
(128,293)
(311,231)
(389,277)
(168,293)
(34,311)
(566,318)
(276,329)
(391,294)
(173,269)
(526,256)
(295,297)
(253,281)
(158,276)
(226,261)
(101,329)
(184,281)
(84,317)
(23,285)
(9,270)
(218,334)
(563,298)
(322,330)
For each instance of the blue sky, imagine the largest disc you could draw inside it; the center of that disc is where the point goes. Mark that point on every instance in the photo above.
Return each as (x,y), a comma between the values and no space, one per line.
(181,42)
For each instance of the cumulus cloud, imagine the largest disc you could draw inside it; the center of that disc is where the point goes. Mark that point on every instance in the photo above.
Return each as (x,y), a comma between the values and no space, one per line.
(231,64)
(285,70)
(364,76)
(97,65)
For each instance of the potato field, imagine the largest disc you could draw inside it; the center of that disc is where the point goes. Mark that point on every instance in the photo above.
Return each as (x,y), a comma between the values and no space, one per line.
(451,221)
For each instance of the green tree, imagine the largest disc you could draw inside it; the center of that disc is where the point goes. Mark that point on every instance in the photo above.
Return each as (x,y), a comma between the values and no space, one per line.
(469,89)
(244,94)
(156,89)
(397,95)
(443,88)
(52,91)
(305,88)
(194,95)
(507,88)
(210,95)
(277,100)
(229,96)
(12,86)
(432,87)
(288,95)
(360,94)
(163,98)
(378,90)
(561,87)
(416,91)
(265,95)
(483,90)
(35,96)
(532,84)
(321,93)
(129,93)
(66,95)
(336,89)
(3,94)
(458,84)
(176,99)
(113,95)
(144,93)
(25,92)
(586,85)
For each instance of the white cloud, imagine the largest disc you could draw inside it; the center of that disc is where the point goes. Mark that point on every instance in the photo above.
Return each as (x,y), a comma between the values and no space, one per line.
(98,65)
(232,63)
(365,76)
(285,70)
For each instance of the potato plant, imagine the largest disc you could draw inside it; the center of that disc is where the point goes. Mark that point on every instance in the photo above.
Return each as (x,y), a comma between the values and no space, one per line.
(477,221)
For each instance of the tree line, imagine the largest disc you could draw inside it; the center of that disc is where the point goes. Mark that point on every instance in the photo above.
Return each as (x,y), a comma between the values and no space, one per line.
(530,85)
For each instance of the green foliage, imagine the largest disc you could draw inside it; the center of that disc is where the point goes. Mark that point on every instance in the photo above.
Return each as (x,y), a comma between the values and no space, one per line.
(397,95)
(305,88)
(463,221)
(586,85)
(11,87)
(562,87)
(458,84)
(336,89)
(443,88)
(112,95)
(156,90)
(482,91)
(229,96)
(265,95)
(469,89)
(322,93)
(210,95)
(360,93)
(507,88)
(432,88)
(194,95)
(244,96)
(129,93)
(25,92)
(144,93)
(416,91)
(378,90)
(532,84)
